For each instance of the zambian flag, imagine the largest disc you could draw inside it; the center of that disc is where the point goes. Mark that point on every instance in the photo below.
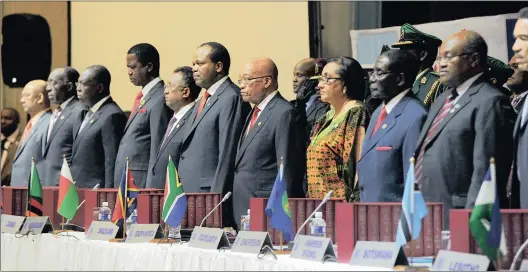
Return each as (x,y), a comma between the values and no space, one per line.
(175,203)
(34,204)
(68,196)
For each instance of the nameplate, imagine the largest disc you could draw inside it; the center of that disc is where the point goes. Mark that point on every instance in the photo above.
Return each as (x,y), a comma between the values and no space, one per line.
(458,261)
(142,233)
(208,238)
(378,254)
(312,248)
(11,223)
(524,266)
(102,231)
(37,225)
(251,242)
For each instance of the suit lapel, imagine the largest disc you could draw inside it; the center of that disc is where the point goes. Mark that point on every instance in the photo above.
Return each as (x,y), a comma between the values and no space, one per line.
(313,106)
(66,112)
(32,132)
(174,131)
(144,102)
(433,112)
(93,119)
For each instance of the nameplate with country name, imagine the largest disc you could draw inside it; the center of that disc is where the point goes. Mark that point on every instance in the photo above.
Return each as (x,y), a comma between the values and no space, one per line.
(102,231)
(251,242)
(524,266)
(458,261)
(312,248)
(142,233)
(37,225)
(11,223)
(378,254)
(208,238)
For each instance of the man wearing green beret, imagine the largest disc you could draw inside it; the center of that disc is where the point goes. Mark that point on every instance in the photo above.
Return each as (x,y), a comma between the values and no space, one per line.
(498,73)
(426,87)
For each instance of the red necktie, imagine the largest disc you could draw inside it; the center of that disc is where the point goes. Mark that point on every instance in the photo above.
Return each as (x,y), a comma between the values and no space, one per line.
(136,103)
(254,117)
(27,130)
(205,96)
(381,117)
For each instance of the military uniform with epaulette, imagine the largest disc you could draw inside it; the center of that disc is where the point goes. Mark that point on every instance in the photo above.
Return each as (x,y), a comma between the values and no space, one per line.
(498,73)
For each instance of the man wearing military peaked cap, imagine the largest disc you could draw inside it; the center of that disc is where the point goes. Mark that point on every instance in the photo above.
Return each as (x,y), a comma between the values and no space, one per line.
(426,87)
(498,73)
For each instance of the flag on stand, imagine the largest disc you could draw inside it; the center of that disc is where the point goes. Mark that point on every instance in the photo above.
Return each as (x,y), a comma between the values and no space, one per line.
(127,194)
(175,203)
(485,222)
(413,210)
(68,196)
(278,208)
(34,204)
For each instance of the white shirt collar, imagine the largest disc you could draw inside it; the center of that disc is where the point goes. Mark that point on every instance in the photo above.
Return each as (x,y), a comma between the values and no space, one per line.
(216,85)
(149,86)
(179,115)
(65,103)
(394,101)
(266,100)
(98,105)
(462,88)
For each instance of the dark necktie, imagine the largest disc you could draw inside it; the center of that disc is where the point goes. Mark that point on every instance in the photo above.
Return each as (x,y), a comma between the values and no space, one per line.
(172,121)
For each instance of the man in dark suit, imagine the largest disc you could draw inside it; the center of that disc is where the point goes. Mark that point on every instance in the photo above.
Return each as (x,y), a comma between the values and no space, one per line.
(180,94)
(97,132)
(468,124)
(393,130)
(58,140)
(518,85)
(149,118)
(268,139)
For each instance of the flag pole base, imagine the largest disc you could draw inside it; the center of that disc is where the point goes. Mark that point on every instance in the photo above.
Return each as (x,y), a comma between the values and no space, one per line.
(71,227)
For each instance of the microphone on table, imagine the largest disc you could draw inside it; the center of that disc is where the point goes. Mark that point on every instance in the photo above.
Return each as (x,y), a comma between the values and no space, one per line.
(216,207)
(325,199)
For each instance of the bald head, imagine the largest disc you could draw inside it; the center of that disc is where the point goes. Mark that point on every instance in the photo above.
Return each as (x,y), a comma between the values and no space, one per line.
(34,97)
(265,66)
(258,80)
(302,71)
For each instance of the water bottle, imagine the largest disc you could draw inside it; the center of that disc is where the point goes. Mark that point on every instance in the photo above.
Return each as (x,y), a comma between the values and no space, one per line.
(174,232)
(105,214)
(318,225)
(244,221)
(132,219)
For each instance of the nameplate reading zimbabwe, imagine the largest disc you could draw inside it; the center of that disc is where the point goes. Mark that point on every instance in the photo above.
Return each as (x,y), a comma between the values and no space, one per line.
(142,233)
(208,238)
(102,231)
(251,242)
(37,225)
(378,254)
(313,248)
(458,261)
(11,223)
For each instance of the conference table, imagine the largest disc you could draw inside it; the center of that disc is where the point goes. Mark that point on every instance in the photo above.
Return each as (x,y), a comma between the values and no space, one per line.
(71,251)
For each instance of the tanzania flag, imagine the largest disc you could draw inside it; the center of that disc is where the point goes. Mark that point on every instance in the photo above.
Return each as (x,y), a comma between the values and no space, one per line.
(34,204)
(278,208)
(175,203)
(485,222)
(68,196)
(127,194)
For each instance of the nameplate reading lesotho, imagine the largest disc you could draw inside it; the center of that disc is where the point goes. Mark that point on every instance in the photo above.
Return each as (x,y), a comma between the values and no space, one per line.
(458,261)
(251,242)
(208,238)
(377,254)
(141,233)
(102,231)
(36,225)
(312,248)
(11,223)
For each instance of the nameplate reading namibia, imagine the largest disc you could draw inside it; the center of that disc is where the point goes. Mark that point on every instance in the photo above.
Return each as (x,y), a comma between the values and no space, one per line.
(312,248)
(208,238)
(11,223)
(102,231)
(251,242)
(458,261)
(141,233)
(377,254)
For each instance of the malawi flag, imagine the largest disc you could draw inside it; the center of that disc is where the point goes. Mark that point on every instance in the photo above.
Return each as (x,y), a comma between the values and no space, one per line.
(68,196)
(175,203)
(34,204)
(278,208)
(127,194)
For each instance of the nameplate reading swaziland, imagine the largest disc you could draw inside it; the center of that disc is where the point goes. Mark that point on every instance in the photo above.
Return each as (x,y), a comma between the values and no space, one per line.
(312,248)
(251,242)
(11,223)
(102,231)
(208,238)
(458,261)
(36,225)
(377,254)
(141,233)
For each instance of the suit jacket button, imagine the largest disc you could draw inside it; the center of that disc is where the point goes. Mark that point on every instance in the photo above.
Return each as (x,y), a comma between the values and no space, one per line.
(361,188)
(182,157)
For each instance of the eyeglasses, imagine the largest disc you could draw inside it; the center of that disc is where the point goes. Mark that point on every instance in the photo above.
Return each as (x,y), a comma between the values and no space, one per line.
(450,57)
(83,84)
(328,80)
(378,74)
(247,80)
(172,87)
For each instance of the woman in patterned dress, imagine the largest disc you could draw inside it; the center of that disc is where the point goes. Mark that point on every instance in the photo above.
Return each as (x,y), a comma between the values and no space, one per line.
(337,137)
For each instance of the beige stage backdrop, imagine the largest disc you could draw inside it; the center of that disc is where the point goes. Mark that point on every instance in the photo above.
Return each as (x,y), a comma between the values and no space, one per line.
(102,32)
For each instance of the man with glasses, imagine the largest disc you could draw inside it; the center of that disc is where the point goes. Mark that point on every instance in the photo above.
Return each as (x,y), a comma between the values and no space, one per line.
(180,94)
(393,130)
(467,125)
(58,140)
(97,132)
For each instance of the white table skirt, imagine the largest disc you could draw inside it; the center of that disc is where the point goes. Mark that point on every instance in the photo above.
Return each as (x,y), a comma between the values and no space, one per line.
(49,252)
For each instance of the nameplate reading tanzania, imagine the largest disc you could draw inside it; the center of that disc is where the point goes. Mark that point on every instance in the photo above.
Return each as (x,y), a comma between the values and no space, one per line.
(208,238)
(36,225)
(251,242)
(312,248)
(102,231)
(141,233)
(458,261)
(378,254)
(11,223)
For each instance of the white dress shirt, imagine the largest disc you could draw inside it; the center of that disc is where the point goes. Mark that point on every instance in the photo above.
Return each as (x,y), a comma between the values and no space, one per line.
(149,86)
(462,88)
(212,90)
(394,101)
(179,115)
(262,105)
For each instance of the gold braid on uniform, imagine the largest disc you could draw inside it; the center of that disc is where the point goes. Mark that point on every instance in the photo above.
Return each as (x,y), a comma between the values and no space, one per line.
(428,97)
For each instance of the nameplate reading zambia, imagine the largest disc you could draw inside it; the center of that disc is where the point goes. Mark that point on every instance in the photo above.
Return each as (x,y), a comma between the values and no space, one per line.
(378,254)
(208,238)
(313,248)
(102,231)
(141,233)
(37,225)
(11,223)
(458,261)
(251,242)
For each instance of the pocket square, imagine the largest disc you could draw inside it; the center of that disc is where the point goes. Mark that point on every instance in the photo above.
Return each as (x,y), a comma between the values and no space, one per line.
(142,110)
(384,148)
